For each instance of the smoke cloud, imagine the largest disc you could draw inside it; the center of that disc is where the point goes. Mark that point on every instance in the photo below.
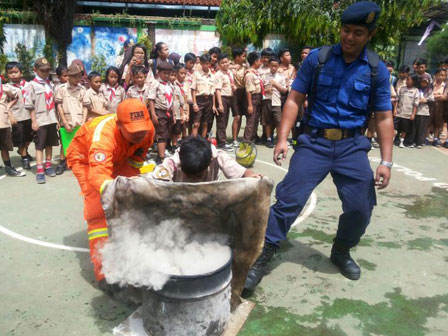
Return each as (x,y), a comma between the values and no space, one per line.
(149,258)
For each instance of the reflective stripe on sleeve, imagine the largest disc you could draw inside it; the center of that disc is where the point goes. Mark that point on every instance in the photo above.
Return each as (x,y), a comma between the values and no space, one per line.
(99,128)
(135,164)
(103,185)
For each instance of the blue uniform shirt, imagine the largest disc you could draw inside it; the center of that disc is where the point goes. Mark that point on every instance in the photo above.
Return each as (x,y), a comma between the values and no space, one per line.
(343,90)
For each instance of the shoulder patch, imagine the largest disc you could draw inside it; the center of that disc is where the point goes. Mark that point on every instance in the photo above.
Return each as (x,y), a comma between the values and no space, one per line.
(162,173)
(99,156)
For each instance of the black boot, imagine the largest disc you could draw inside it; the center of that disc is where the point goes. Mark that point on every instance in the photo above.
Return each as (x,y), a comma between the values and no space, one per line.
(340,256)
(258,270)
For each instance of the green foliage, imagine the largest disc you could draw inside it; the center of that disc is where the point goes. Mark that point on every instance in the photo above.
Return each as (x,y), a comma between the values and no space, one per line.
(438,44)
(26,58)
(3,61)
(146,41)
(99,64)
(312,22)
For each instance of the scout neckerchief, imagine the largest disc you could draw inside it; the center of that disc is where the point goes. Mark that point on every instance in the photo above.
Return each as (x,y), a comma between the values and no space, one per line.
(168,97)
(140,92)
(112,92)
(49,100)
(190,74)
(181,87)
(21,86)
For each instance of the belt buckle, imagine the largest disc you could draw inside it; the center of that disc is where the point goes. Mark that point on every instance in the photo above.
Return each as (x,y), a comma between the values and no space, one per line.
(333,134)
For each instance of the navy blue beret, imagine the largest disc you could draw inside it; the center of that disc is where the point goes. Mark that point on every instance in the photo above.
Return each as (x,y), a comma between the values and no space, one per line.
(363,13)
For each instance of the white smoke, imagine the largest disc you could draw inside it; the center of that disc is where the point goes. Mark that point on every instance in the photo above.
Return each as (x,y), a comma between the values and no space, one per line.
(148,259)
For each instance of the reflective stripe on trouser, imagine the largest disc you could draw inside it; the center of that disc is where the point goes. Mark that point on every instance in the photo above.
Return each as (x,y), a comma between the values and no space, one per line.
(313,159)
(96,229)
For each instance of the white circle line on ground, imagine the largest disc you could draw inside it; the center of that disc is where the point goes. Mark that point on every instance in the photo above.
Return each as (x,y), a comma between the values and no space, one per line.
(15,235)
(311,206)
(40,242)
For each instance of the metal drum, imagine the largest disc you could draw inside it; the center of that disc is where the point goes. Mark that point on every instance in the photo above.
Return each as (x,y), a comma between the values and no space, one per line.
(197,305)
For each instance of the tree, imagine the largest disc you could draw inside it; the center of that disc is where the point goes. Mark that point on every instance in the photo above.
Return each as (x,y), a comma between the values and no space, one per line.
(312,22)
(438,45)
(57,18)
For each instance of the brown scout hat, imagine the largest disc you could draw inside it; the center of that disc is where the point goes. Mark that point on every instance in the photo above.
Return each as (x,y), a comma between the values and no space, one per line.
(74,69)
(42,64)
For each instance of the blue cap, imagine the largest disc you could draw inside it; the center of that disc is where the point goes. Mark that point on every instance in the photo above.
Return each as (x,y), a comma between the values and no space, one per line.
(364,13)
(129,42)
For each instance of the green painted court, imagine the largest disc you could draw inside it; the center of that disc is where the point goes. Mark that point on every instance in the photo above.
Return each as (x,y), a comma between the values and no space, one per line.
(47,285)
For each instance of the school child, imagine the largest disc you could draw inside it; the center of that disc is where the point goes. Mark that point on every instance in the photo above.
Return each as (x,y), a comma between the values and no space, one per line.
(177,108)
(390,65)
(224,86)
(7,99)
(137,58)
(266,55)
(202,92)
(440,98)
(274,85)
(39,99)
(22,133)
(139,89)
(69,104)
(94,100)
(214,55)
(190,62)
(112,90)
(403,73)
(286,69)
(239,101)
(254,94)
(422,117)
(184,87)
(421,68)
(407,102)
(160,104)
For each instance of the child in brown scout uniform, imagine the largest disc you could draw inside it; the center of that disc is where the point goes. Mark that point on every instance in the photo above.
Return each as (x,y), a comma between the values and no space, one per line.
(275,86)
(214,55)
(160,105)
(190,61)
(239,100)
(39,99)
(440,97)
(177,108)
(224,86)
(407,102)
(112,90)
(140,89)
(22,133)
(287,70)
(69,104)
(94,100)
(266,55)
(6,94)
(254,93)
(202,92)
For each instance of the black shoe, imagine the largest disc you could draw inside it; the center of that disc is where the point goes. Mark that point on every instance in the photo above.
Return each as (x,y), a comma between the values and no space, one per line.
(26,163)
(269,143)
(50,172)
(159,160)
(258,270)
(11,171)
(40,178)
(61,168)
(347,266)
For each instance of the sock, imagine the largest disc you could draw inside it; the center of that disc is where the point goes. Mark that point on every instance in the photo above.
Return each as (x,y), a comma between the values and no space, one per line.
(24,157)
(40,169)
(47,164)
(7,163)
(401,140)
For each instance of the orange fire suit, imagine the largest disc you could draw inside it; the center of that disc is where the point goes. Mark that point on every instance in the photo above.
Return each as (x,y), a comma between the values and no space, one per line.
(98,154)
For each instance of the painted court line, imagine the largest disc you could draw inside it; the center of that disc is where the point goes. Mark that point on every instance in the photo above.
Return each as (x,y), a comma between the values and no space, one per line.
(12,234)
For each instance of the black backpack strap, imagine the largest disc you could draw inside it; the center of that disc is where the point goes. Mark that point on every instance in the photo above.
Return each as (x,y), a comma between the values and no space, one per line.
(323,56)
(374,61)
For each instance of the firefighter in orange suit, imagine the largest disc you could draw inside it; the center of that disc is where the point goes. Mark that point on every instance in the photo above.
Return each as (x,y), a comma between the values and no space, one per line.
(102,149)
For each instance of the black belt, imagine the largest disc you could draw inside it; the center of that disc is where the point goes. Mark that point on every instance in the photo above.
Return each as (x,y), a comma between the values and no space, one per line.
(333,134)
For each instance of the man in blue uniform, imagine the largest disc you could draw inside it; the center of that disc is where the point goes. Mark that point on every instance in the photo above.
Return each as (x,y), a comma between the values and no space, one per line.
(332,141)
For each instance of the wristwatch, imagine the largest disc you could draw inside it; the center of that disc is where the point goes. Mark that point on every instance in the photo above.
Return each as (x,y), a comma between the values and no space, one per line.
(387,164)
